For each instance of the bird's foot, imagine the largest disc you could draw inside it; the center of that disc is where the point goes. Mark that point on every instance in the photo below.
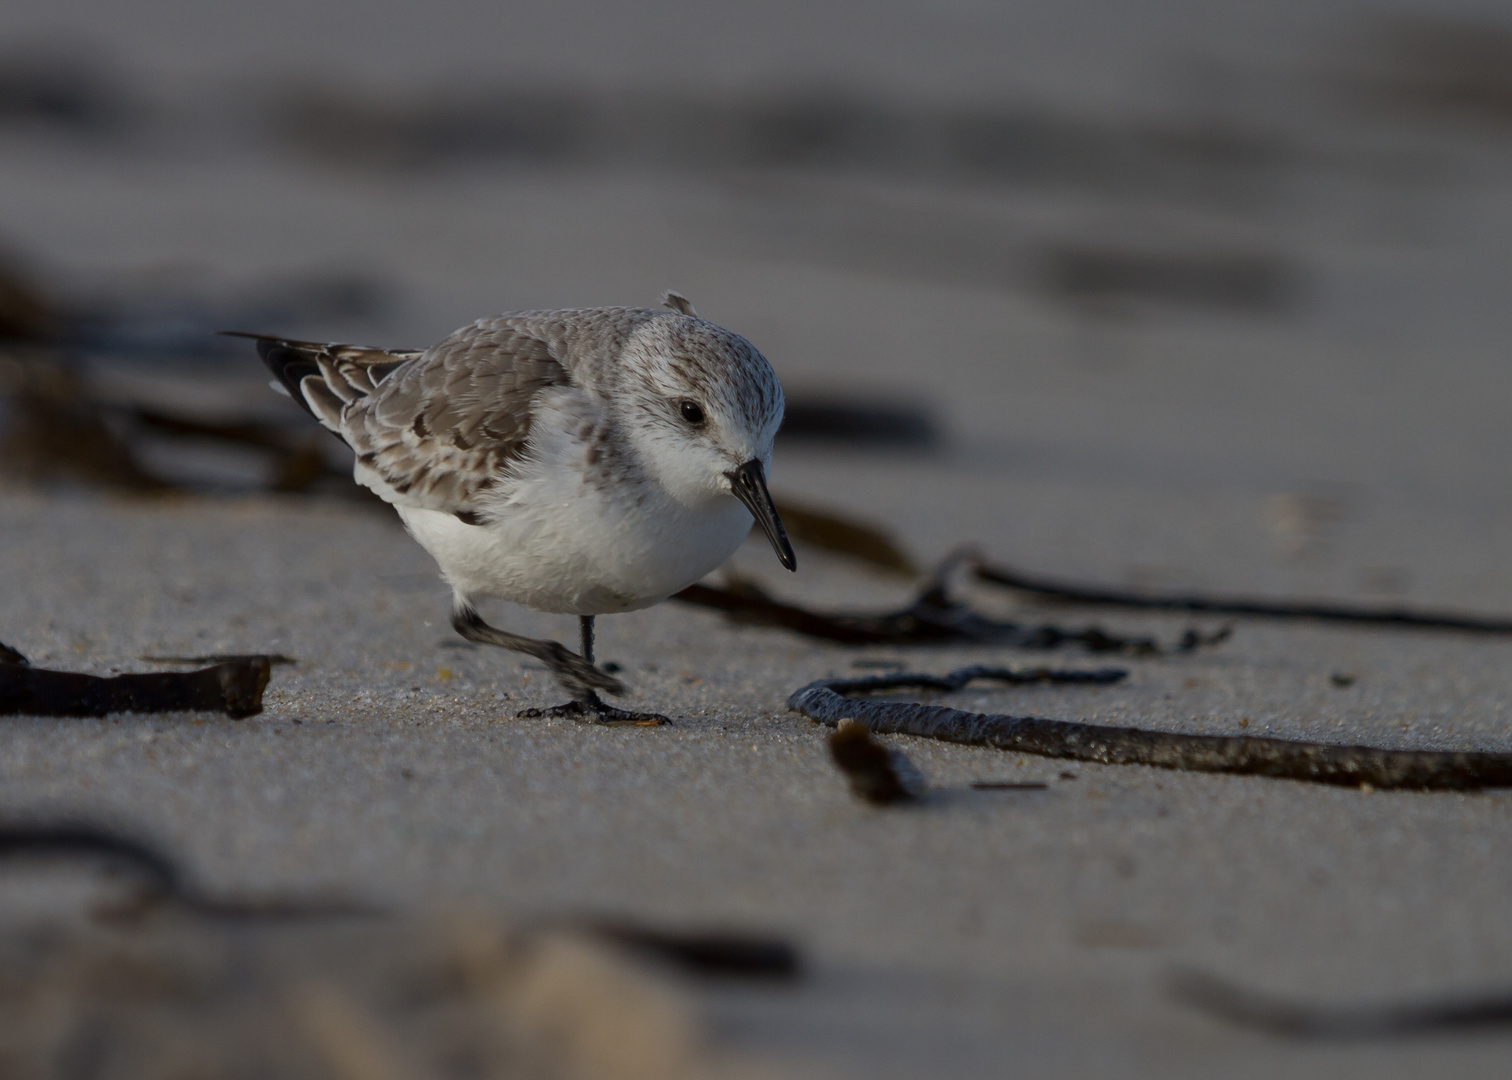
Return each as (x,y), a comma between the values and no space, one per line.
(591,709)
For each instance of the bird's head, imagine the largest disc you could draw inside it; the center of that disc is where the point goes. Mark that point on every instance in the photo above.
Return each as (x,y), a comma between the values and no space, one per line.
(706,407)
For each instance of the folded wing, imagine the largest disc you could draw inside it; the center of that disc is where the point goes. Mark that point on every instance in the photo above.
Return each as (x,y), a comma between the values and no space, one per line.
(435,429)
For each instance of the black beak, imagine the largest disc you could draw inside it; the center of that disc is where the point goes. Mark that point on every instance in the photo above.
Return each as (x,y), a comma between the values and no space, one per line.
(748,483)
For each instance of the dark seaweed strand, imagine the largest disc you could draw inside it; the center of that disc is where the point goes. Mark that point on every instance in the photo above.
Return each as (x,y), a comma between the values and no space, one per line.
(955,680)
(824,702)
(1238,605)
(718,953)
(1305,1020)
(83,839)
(234,687)
(76,839)
(932,619)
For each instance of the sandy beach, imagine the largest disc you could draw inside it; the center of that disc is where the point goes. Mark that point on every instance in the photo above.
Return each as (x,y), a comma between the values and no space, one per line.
(1329,424)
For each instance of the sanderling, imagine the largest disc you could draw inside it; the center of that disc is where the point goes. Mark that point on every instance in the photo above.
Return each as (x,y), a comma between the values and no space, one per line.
(584,461)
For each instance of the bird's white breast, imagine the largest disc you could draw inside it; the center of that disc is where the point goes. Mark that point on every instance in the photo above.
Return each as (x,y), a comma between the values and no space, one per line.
(564,537)
(576,556)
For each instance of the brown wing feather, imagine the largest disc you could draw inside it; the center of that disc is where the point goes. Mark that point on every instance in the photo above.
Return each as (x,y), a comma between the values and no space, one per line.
(441,428)
(438,428)
(360,366)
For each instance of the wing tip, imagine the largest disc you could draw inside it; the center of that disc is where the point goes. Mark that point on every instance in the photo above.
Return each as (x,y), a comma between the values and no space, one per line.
(283,358)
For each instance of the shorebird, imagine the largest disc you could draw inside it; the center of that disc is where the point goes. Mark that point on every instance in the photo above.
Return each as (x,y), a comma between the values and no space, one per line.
(583,461)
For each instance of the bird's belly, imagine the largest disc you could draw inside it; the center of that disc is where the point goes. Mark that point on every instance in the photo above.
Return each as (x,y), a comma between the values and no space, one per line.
(581,557)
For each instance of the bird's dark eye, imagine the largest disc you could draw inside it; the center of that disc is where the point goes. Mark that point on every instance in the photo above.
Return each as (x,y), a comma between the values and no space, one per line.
(692,413)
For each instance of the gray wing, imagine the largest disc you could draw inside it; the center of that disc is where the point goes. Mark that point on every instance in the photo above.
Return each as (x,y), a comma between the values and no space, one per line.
(441,430)
(438,429)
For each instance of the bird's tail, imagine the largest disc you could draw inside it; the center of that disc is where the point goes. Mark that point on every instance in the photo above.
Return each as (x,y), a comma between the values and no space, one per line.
(322,377)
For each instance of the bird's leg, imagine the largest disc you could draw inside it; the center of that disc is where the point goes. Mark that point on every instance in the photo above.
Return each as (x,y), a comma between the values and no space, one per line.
(575,673)
(585,636)
(591,707)
(578,676)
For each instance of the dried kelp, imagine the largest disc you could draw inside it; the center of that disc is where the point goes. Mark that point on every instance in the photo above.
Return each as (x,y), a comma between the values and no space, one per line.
(833,420)
(1438,69)
(871,768)
(219,658)
(84,840)
(1313,1021)
(934,618)
(234,687)
(57,431)
(296,462)
(27,313)
(153,317)
(869,543)
(254,433)
(57,428)
(828,701)
(159,879)
(45,88)
(846,536)
(960,678)
(711,954)
(883,775)
(242,988)
(1070,592)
